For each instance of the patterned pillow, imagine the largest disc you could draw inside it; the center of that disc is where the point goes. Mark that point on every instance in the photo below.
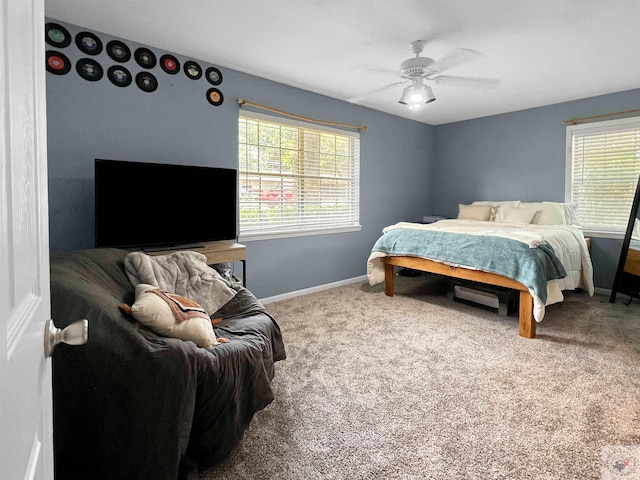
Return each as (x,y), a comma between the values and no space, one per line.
(172,315)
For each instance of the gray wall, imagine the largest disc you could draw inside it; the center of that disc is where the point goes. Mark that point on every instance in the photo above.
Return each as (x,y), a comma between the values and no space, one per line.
(175,124)
(408,169)
(519,156)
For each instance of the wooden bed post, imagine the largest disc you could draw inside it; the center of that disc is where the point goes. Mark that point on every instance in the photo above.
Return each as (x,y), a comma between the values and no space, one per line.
(527,322)
(388,279)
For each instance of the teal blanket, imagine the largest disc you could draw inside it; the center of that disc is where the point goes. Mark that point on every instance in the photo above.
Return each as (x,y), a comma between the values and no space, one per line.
(533,267)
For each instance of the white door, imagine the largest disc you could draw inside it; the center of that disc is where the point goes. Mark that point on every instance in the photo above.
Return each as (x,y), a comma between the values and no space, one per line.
(26,447)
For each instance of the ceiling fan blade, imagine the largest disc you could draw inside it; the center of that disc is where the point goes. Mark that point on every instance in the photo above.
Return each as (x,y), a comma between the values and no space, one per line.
(455,58)
(473,82)
(377,90)
(377,69)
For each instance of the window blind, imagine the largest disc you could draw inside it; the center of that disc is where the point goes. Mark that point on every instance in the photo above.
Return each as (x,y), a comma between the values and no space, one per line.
(296,178)
(604,160)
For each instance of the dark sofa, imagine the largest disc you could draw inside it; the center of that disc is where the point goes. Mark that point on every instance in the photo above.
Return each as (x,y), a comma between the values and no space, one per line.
(130,404)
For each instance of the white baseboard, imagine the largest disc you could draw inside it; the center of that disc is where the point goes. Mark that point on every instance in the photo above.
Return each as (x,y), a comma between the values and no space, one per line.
(305,291)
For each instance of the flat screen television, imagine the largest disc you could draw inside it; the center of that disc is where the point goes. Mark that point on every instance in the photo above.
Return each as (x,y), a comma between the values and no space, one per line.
(157,205)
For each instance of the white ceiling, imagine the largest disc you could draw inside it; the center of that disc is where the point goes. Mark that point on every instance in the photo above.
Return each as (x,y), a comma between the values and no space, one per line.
(542,51)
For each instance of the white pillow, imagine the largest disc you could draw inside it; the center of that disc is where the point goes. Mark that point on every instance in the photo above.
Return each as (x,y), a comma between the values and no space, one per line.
(475,212)
(570,214)
(520,215)
(172,315)
(548,213)
(499,208)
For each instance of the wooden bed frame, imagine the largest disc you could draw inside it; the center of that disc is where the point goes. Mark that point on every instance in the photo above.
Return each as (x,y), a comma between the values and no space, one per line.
(527,323)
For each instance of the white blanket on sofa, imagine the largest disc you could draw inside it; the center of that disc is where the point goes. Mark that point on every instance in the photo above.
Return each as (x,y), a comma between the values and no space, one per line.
(185,273)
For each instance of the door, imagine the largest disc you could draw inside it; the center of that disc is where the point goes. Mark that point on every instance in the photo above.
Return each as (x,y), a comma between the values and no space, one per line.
(26,448)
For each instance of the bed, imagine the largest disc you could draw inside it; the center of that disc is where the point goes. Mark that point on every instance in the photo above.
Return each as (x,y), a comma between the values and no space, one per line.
(535,248)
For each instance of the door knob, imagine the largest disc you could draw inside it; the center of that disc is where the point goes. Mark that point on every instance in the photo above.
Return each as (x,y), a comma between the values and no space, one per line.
(75,334)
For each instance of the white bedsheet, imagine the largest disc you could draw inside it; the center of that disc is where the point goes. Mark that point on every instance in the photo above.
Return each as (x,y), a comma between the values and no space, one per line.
(567,242)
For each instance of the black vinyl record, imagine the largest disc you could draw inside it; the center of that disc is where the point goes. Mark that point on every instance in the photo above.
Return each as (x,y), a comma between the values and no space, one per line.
(192,70)
(89,69)
(146,81)
(119,76)
(56,35)
(145,57)
(215,97)
(170,64)
(57,63)
(214,76)
(88,43)
(118,51)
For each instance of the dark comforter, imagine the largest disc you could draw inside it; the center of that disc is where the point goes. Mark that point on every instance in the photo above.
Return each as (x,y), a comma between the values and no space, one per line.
(133,405)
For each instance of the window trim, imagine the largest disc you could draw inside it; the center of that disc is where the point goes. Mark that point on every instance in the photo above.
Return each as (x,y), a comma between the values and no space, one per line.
(296,231)
(592,127)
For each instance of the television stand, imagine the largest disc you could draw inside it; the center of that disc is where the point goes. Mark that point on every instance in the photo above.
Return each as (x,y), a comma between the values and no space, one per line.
(166,248)
(216,252)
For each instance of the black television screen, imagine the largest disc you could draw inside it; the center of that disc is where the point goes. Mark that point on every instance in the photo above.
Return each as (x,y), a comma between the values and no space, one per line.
(139,204)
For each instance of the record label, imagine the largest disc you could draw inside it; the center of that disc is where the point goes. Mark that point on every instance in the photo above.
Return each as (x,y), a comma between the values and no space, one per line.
(118,51)
(146,81)
(192,70)
(57,35)
(145,57)
(89,69)
(215,97)
(170,64)
(214,76)
(57,63)
(88,43)
(119,76)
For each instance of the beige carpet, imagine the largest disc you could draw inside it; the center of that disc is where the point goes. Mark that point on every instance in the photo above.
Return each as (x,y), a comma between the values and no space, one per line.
(419,387)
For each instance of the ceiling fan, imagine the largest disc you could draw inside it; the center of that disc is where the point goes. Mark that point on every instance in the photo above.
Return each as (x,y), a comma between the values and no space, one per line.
(420,71)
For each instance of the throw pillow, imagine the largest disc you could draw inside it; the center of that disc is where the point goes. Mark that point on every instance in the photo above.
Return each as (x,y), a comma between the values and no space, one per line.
(172,315)
(474,212)
(548,213)
(519,215)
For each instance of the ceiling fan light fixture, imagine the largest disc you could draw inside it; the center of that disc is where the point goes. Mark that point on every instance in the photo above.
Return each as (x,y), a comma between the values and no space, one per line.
(417,94)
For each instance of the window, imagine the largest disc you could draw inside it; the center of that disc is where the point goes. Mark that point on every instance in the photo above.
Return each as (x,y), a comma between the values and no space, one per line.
(296,178)
(603,165)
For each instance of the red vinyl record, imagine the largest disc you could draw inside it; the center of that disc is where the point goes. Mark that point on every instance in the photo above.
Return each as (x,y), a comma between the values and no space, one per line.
(57,63)
(169,64)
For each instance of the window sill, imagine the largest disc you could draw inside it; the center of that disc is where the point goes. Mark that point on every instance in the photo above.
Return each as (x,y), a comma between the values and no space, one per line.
(600,234)
(250,237)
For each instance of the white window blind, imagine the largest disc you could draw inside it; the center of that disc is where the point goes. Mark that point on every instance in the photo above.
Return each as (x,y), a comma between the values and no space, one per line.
(603,166)
(296,178)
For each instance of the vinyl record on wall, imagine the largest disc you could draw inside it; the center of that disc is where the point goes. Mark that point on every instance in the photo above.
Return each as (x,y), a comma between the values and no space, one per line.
(119,76)
(215,97)
(57,63)
(145,57)
(146,81)
(57,35)
(214,76)
(88,43)
(89,69)
(118,51)
(170,64)
(192,70)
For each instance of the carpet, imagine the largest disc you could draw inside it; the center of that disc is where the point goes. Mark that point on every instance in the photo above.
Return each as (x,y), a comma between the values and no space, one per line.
(421,387)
